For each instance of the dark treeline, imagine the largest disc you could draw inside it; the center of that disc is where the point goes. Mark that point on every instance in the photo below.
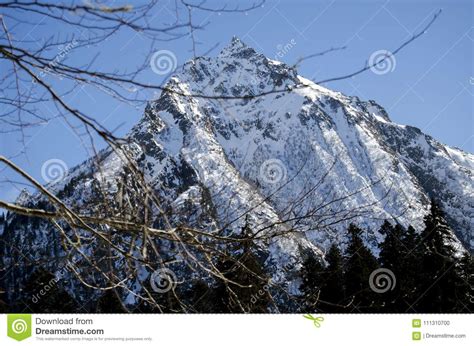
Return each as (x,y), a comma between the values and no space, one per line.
(414,272)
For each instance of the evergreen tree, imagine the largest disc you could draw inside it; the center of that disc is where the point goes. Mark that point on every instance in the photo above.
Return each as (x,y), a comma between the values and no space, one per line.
(332,290)
(43,294)
(391,253)
(312,280)
(410,263)
(109,302)
(359,264)
(144,307)
(199,297)
(392,246)
(246,288)
(4,307)
(169,301)
(465,284)
(439,275)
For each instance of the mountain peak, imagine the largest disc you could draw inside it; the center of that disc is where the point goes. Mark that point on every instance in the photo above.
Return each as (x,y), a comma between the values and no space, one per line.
(23,197)
(237,49)
(235,41)
(238,70)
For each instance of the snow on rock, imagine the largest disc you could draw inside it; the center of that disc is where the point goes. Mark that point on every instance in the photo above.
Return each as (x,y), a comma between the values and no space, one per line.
(309,158)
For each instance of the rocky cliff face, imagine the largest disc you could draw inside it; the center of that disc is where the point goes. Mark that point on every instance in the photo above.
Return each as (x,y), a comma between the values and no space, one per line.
(302,155)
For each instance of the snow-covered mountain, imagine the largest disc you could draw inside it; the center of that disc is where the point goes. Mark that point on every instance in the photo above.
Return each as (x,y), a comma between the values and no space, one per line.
(306,146)
(297,154)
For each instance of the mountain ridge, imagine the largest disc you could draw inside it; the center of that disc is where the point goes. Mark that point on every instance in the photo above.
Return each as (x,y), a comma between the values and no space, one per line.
(303,157)
(235,73)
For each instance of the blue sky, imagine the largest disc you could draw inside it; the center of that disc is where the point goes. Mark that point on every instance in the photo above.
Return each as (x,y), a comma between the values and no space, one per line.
(430,86)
